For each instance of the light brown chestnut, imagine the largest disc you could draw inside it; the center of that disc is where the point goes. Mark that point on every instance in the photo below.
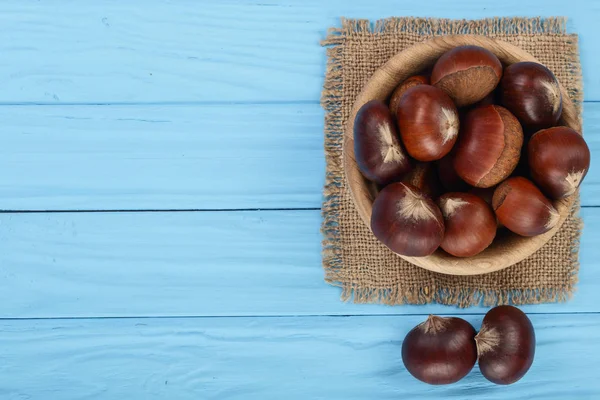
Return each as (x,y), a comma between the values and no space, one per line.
(532,93)
(489,146)
(522,208)
(379,153)
(559,159)
(407,221)
(470,224)
(424,177)
(467,74)
(403,87)
(428,122)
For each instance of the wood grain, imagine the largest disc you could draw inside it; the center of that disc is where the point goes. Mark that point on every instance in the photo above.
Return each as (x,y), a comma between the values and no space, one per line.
(235,50)
(178,157)
(197,264)
(269,358)
(161,157)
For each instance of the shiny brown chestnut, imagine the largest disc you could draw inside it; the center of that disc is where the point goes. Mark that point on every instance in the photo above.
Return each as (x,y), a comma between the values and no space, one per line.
(505,345)
(428,122)
(559,159)
(440,350)
(532,93)
(424,177)
(448,176)
(489,146)
(522,208)
(377,148)
(467,74)
(470,224)
(407,221)
(403,87)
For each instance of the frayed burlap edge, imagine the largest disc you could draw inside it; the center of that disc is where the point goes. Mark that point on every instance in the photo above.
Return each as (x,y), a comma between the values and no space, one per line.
(334,175)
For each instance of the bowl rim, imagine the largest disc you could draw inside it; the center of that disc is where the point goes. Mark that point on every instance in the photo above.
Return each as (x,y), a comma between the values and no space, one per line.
(380,85)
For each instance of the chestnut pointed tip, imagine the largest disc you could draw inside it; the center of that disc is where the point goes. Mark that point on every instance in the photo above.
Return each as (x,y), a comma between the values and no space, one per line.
(435,324)
(415,206)
(486,340)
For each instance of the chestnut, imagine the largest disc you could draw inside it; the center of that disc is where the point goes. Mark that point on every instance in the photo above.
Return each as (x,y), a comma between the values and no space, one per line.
(489,146)
(407,221)
(559,159)
(428,122)
(377,148)
(424,177)
(470,224)
(448,176)
(440,350)
(522,208)
(532,93)
(467,74)
(505,345)
(403,87)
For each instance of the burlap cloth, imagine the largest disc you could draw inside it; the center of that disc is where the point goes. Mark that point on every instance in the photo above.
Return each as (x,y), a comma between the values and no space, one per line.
(353,259)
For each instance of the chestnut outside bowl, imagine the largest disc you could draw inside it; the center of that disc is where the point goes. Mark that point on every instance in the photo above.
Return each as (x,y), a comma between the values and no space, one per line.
(504,251)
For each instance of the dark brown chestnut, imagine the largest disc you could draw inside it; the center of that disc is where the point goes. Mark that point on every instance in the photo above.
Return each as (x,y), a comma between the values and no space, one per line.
(532,93)
(522,208)
(470,224)
(505,345)
(407,221)
(428,122)
(403,87)
(489,146)
(424,177)
(377,148)
(467,74)
(448,176)
(559,159)
(440,350)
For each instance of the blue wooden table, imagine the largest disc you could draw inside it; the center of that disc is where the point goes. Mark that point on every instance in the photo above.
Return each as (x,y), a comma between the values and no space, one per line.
(161,172)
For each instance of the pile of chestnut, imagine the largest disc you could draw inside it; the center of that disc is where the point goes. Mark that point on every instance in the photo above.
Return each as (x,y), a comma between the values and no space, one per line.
(443,350)
(466,149)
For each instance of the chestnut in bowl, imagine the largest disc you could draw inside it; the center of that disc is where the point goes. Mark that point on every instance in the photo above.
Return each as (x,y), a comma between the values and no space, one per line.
(407,221)
(377,148)
(428,122)
(489,146)
(559,159)
(467,73)
(522,208)
(532,93)
(403,87)
(470,224)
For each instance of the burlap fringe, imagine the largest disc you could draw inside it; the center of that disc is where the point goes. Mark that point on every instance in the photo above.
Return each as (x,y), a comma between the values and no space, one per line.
(334,131)
(443,26)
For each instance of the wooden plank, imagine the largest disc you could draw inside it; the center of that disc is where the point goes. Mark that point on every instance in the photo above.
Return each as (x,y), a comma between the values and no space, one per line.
(196,264)
(269,358)
(160,51)
(177,157)
(157,157)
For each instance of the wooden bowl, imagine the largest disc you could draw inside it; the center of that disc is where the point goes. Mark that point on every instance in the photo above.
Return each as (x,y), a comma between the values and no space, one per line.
(505,251)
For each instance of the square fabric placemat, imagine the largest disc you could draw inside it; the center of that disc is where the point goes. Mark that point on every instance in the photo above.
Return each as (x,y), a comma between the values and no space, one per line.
(353,259)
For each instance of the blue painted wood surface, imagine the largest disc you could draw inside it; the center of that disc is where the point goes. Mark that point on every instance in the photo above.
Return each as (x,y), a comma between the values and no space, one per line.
(209,113)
